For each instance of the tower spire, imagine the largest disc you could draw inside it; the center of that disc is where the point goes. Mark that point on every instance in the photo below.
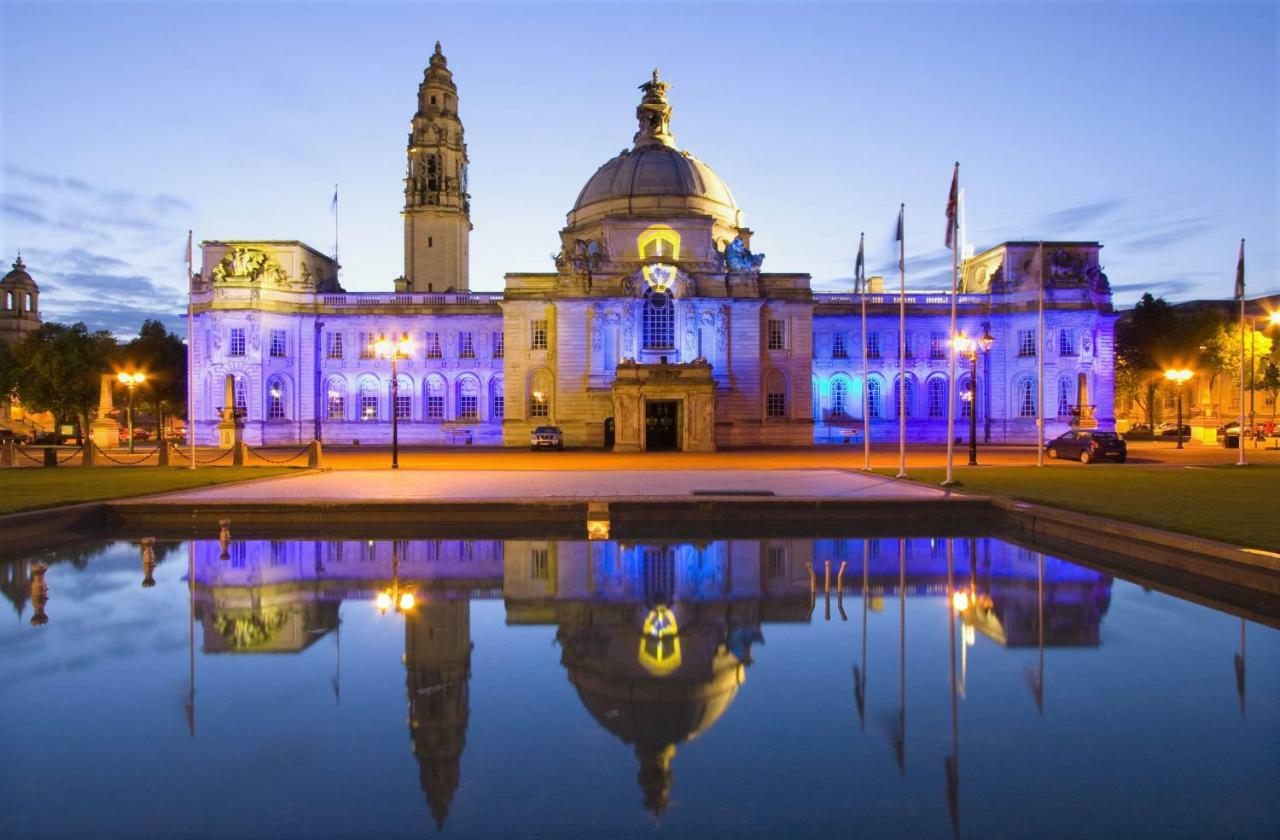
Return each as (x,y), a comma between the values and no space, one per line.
(654,115)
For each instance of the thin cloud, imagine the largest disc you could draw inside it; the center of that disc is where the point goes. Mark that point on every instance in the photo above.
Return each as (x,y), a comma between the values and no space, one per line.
(1173,232)
(1072,218)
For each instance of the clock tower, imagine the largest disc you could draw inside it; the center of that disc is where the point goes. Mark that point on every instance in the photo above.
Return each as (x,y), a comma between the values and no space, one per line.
(437,208)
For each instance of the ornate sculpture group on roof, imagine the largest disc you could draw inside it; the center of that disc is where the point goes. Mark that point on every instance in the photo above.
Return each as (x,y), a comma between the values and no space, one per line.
(738,256)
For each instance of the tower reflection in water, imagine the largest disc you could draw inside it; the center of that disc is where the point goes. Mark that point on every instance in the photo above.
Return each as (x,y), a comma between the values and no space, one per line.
(656,637)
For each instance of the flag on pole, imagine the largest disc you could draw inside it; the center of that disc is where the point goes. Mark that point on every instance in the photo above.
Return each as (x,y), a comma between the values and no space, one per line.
(860,267)
(1240,273)
(188,258)
(953,202)
(333,205)
(898,237)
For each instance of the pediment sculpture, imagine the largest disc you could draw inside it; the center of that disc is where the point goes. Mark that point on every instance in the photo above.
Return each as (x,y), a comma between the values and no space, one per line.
(250,265)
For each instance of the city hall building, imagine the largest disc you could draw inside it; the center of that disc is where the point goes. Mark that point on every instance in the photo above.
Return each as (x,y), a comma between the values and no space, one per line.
(657,328)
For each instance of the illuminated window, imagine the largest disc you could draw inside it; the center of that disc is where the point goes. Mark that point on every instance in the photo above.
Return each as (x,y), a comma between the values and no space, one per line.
(241,389)
(497,401)
(368,399)
(1026,343)
(966,406)
(1025,394)
(903,403)
(468,398)
(539,563)
(499,345)
(333,345)
(538,334)
(466,346)
(775,398)
(777,334)
(540,395)
(1067,345)
(659,328)
(937,345)
(433,345)
(404,398)
(278,344)
(908,352)
(433,390)
(275,399)
(366,345)
(873,398)
(873,345)
(336,399)
(839,346)
(937,396)
(1064,397)
(237,342)
(839,397)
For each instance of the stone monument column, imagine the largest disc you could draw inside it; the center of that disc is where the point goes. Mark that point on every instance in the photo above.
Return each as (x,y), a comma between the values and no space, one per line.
(105,428)
(231,426)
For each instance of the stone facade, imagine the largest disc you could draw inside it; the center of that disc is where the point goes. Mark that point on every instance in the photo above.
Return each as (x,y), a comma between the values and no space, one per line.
(657,327)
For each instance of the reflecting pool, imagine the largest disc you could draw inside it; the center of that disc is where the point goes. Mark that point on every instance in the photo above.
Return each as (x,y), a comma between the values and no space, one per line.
(499,688)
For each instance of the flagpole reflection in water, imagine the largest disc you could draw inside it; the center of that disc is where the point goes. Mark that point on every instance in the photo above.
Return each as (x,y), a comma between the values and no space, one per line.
(951,764)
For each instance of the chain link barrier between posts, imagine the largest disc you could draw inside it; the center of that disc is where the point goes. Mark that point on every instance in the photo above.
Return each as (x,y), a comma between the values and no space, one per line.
(215,459)
(257,453)
(40,461)
(132,463)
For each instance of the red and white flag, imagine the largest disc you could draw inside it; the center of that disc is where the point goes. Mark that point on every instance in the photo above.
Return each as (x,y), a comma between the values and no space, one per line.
(953,203)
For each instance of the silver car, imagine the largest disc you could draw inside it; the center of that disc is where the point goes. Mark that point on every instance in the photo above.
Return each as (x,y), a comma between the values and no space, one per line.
(546,437)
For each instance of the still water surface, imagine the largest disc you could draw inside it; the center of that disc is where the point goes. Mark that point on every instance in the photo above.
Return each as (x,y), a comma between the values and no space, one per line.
(574,689)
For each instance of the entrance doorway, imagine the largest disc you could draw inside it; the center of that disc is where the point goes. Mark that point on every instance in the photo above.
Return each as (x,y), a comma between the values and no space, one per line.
(661,425)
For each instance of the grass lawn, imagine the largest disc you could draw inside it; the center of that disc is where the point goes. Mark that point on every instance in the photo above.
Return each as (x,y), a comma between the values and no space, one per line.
(1238,505)
(31,489)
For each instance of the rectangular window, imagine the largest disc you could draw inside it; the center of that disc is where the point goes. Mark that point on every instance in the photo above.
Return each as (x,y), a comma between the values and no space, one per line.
(538,335)
(368,406)
(333,345)
(777,562)
(277,344)
(499,344)
(499,406)
(1026,343)
(468,409)
(777,334)
(404,403)
(539,563)
(775,405)
(237,342)
(366,346)
(839,347)
(873,345)
(337,404)
(435,406)
(937,345)
(433,346)
(466,346)
(1067,343)
(908,352)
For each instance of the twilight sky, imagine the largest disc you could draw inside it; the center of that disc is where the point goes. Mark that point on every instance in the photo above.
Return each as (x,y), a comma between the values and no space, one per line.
(1151,127)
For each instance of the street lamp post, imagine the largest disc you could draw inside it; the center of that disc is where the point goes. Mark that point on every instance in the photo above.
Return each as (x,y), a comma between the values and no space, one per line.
(393,350)
(1180,375)
(971,347)
(131,381)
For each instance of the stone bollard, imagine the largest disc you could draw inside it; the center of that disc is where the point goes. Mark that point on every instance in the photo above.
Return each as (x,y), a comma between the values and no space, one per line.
(9,453)
(87,453)
(315,455)
(162,453)
(239,454)
(50,456)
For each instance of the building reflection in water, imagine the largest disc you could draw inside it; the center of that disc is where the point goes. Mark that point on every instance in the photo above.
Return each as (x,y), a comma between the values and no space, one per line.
(654,692)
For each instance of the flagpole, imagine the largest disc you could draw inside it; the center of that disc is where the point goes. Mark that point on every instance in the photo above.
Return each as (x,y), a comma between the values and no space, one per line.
(191,413)
(1240,462)
(953,234)
(902,341)
(1040,362)
(861,281)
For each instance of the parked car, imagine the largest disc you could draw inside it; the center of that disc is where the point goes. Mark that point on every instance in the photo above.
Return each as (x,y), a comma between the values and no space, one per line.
(1088,446)
(546,437)
(10,436)
(1171,430)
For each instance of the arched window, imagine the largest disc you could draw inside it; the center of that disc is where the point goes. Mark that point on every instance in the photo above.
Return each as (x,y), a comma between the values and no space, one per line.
(839,397)
(1064,397)
(937,397)
(242,396)
(903,403)
(966,405)
(873,398)
(468,398)
(659,327)
(775,395)
(433,399)
(336,398)
(368,399)
(275,398)
(1025,395)
(540,395)
(404,398)
(497,399)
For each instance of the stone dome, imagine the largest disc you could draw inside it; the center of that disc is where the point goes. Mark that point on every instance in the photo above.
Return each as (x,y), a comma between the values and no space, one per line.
(654,178)
(18,276)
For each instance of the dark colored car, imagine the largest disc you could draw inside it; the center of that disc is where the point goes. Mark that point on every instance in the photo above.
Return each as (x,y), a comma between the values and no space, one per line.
(1088,446)
(1171,430)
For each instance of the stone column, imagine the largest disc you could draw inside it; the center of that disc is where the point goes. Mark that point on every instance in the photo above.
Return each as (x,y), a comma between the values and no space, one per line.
(231,426)
(105,429)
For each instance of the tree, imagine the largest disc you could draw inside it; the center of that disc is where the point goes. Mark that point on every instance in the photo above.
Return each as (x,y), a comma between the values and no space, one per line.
(1141,339)
(9,368)
(60,369)
(162,356)
(1270,382)
(1225,351)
